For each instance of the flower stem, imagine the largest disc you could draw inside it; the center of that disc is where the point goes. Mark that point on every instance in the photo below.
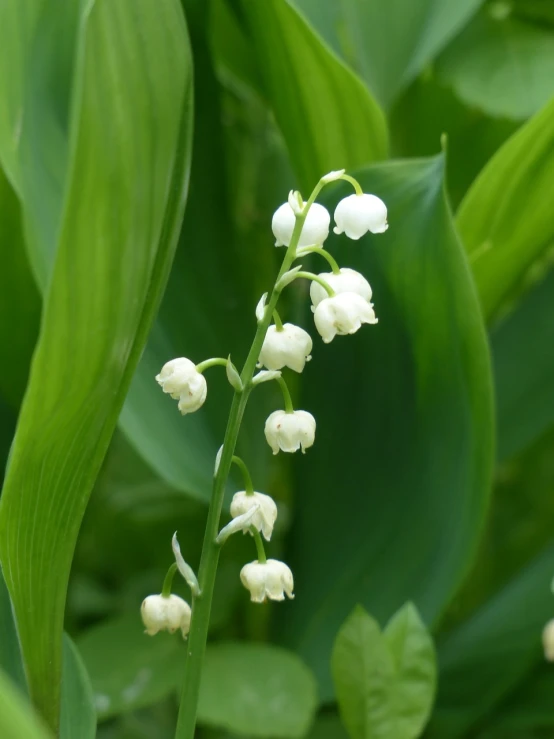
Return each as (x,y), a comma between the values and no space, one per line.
(262,559)
(207,363)
(201,605)
(316,278)
(168,581)
(289,407)
(323,253)
(248,486)
(277,320)
(353,182)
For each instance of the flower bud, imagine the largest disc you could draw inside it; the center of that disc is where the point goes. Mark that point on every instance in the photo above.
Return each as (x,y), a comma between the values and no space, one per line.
(290,431)
(314,231)
(358,214)
(182,381)
(165,614)
(342,314)
(347,281)
(289,347)
(548,641)
(272,580)
(264,518)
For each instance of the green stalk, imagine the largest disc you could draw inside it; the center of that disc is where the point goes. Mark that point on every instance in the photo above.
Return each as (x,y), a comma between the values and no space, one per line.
(201,605)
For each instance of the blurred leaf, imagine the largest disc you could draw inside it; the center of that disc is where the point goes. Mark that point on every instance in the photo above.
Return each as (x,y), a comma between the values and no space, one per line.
(256,690)
(328,727)
(481,660)
(500,64)
(123,205)
(17,720)
(388,42)
(328,118)
(505,221)
(398,513)
(19,300)
(385,683)
(523,352)
(78,713)
(127,668)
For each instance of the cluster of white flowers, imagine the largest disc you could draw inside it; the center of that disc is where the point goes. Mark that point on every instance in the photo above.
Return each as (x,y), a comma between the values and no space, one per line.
(341,304)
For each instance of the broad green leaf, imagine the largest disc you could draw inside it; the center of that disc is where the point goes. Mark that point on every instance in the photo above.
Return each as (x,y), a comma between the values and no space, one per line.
(10,653)
(505,221)
(17,720)
(256,690)
(392,503)
(385,683)
(78,712)
(19,300)
(500,64)
(363,672)
(485,657)
(414,659)
(388,42)
(328,118)
(523,356)
(127,668)
(122,208)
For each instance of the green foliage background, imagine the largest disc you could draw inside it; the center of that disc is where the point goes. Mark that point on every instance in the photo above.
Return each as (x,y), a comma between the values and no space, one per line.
(143,149)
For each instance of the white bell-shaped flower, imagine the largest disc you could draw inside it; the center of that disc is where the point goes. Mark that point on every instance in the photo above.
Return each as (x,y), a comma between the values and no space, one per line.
(548,641)
(182,381)
(289,347)
(165,614)
(264,518)
(314,231)
(358,214)
(342,314)
(272,580)
(347,281)
(290,431)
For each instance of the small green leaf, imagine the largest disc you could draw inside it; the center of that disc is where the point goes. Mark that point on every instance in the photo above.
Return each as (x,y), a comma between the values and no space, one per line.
(233,376)
(385,682)
(363,672)
(500,65)
(78,712)
(505,221)
(416,672)
(17,719)
(327,116)
(256,690)
(127,668)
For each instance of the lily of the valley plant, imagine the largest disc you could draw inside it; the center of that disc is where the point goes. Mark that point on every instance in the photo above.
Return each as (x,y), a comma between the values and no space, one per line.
(341,304)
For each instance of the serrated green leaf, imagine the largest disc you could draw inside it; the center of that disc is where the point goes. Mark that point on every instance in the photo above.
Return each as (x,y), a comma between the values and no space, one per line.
(484,658)
(256,690)
(122,208)
(500,65)
(388,42)
(505,221)
(363,673)
(397,516)
(328,118)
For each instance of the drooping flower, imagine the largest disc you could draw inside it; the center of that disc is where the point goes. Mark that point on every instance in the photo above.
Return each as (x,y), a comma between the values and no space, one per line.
(355,215)
(264,518)
(289,432)
(160,613)
(289,347)
(314,231)
(342,314)
(182,381)
(347,281)
(271,579)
